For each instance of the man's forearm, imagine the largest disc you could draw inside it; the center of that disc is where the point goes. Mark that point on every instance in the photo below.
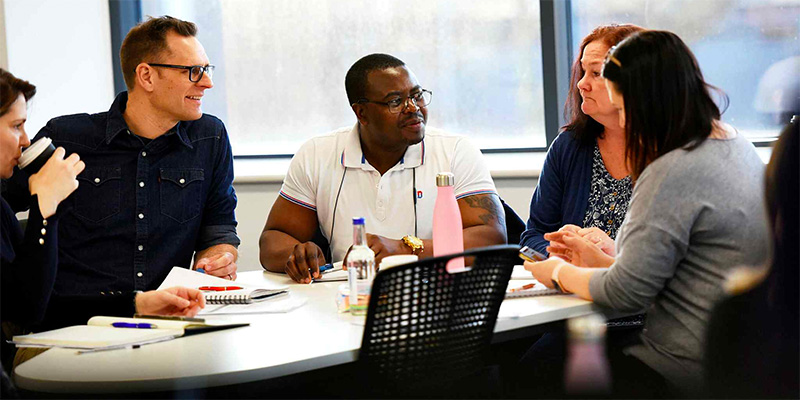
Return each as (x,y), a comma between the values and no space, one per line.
(275,248)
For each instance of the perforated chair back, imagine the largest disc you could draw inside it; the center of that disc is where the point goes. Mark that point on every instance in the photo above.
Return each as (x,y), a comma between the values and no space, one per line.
(425,325)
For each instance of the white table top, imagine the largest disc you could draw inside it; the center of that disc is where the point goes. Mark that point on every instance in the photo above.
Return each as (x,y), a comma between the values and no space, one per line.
(310,337)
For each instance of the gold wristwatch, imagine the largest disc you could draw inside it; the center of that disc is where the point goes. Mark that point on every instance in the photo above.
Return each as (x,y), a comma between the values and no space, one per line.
(414,243)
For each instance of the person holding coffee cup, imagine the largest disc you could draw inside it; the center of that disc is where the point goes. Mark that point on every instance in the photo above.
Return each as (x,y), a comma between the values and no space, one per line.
(29,259)
(157,189)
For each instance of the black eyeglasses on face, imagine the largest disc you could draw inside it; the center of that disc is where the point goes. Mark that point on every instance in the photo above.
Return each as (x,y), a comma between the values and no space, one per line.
(195,71)
(397,105)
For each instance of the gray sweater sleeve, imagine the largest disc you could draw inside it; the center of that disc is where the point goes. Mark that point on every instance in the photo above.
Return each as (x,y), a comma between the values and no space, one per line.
(653,240)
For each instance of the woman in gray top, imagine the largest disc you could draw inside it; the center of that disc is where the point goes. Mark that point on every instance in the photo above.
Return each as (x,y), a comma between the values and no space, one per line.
(696,212)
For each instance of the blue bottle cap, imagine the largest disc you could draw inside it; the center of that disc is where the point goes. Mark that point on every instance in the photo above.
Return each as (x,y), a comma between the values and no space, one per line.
(358,221)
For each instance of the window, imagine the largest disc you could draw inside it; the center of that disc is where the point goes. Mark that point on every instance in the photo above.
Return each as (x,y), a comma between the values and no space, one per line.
(748,48)
(281,65)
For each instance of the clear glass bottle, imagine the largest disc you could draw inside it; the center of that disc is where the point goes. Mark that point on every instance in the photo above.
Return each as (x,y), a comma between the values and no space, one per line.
(361,269)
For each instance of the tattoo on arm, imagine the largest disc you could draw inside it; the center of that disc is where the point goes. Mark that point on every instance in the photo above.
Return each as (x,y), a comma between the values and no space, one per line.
(487,203)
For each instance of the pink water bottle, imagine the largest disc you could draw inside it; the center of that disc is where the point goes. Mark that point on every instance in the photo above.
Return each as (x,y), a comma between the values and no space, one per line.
(448,234)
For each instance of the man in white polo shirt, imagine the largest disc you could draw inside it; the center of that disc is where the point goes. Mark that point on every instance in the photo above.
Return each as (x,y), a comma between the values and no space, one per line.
(383,169)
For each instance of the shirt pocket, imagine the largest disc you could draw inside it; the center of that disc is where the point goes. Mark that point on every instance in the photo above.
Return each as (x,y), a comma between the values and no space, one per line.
(98,194)
(181,191)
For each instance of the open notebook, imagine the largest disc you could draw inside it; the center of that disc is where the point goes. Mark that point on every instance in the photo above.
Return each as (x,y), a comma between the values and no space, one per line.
(528,288)
(264,298)
(335,274)
(106,333)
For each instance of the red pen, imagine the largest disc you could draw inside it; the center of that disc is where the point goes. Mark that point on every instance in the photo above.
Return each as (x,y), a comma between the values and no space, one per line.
(219,288)
(524,287)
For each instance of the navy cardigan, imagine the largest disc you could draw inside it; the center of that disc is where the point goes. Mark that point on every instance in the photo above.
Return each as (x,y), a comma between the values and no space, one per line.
(562,194)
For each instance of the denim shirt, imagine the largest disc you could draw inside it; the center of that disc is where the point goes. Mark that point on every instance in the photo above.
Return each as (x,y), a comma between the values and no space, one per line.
(142,206)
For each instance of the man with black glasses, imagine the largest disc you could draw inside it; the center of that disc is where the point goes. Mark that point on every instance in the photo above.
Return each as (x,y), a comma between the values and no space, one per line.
(384,168)
(156,190)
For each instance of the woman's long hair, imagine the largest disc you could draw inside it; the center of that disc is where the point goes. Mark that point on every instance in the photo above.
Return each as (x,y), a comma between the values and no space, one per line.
(585,128)
(668,104)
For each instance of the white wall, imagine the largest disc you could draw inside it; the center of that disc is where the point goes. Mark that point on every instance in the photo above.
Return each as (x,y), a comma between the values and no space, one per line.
(255,201)
(3,47)
(64,48)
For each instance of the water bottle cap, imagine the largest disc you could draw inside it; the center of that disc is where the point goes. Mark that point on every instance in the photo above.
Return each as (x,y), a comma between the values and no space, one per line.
(358,221)
(445,179)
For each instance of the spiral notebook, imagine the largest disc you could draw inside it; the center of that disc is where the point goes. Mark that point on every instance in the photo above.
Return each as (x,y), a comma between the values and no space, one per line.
(243,296)
(266,297)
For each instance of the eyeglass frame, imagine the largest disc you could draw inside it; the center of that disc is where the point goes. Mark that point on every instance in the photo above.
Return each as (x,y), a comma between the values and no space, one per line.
(404,99)
(610,57)
(203,69)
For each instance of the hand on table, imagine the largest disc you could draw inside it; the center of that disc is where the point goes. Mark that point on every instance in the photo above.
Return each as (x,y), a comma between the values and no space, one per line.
(543,270)
(222,265)
(383,247)
(172,301)
(304,262)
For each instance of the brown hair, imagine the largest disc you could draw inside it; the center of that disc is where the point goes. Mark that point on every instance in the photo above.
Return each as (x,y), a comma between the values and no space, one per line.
(10,89)
(147,42)
(585,128)
(658,65)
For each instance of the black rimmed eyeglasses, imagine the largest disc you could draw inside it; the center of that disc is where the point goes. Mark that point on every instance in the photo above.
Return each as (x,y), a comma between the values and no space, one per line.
(195,71)
(397,105)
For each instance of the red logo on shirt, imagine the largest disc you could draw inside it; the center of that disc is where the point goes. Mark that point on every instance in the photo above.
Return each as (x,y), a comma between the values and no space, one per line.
(419,194)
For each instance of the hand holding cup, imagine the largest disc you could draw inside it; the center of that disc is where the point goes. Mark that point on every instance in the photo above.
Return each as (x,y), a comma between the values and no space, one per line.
(55,180)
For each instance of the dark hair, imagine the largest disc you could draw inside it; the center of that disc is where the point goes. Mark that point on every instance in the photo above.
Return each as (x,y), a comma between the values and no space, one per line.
(355,82)
(147,42)
(584,127)
(781,195)
(10,89)
(667,102)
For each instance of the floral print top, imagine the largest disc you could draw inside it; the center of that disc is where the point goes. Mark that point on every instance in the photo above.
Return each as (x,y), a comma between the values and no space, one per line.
(608,198)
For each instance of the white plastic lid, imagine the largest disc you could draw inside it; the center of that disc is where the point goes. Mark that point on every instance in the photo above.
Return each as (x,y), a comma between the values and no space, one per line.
(33,151)
(400,259)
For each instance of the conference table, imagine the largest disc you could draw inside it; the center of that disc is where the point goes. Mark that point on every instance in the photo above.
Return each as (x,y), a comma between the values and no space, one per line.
(310,337)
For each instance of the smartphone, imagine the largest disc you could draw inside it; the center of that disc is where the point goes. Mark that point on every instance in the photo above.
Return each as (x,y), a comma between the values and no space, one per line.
(528,254)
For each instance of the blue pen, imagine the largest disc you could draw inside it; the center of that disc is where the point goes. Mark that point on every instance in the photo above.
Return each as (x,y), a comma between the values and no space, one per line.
(322,268)
(142,325)
(200,270)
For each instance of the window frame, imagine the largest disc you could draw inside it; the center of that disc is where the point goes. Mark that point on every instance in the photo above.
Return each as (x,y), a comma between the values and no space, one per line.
(557,49)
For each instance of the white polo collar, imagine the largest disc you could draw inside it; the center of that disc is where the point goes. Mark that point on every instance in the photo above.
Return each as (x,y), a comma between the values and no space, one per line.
(353,157)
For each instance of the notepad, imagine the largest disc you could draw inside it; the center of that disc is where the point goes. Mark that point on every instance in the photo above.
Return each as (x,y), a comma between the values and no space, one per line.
(99,334)
(267,297)
(538,289)
(336,274)
(244,296)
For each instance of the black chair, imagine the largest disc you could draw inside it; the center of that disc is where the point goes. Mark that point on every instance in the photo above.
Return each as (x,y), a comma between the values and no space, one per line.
(514,224)
(427,331)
